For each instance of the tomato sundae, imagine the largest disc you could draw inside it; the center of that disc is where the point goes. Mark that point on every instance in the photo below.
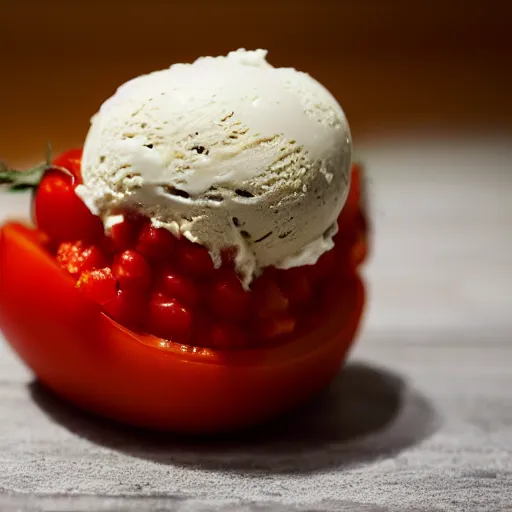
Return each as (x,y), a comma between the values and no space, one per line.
(195,267)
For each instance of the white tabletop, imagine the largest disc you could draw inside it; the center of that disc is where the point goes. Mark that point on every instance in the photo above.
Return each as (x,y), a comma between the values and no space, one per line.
(421,418)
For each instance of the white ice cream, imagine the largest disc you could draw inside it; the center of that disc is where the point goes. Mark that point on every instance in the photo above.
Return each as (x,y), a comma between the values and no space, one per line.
(227,151)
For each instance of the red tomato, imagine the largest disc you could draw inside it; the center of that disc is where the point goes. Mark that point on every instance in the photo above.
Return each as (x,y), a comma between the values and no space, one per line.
(89,359)
(58,211)
(72,161)
(61,214)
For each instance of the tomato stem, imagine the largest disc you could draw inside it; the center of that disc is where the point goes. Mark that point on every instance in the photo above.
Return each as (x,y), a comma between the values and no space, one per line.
(24,180)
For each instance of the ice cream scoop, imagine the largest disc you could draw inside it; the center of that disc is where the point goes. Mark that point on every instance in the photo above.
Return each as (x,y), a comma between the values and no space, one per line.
(228,152)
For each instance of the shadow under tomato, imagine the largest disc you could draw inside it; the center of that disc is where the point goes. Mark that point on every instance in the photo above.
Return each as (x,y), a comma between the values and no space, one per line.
(366,413)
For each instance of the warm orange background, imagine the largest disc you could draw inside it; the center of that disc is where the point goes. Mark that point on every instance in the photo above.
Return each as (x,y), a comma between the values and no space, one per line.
(393,64)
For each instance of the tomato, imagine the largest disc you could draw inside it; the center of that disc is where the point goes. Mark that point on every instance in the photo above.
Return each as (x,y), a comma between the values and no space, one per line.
(57,210)
(61,214)
(92,361)
(72,161)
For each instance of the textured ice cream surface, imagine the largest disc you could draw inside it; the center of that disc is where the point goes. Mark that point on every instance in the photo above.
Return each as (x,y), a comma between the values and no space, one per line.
(228,152)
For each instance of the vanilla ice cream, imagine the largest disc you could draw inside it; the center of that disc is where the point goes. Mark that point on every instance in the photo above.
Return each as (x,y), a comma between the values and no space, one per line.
(228,152)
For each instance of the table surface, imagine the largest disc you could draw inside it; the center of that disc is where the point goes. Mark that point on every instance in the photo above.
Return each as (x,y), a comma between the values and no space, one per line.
(420,418)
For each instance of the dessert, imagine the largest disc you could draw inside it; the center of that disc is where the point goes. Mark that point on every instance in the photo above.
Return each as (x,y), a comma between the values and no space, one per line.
(196,267)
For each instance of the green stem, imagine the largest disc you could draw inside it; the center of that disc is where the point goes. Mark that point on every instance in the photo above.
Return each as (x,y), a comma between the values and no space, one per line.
(23,180)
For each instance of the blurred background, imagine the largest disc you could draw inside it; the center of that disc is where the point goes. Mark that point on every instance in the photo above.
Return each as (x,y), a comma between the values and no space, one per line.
(396,66)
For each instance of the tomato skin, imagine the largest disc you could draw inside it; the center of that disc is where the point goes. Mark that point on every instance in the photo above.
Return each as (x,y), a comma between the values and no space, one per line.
(61,214)
(57,210)
(92,361)
(72,161)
